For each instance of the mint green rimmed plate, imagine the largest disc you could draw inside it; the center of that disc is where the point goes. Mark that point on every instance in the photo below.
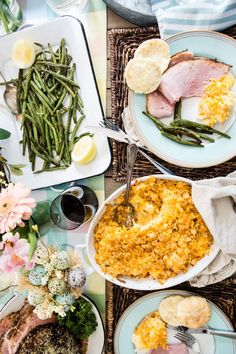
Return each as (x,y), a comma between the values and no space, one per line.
(201,43)
(149,303)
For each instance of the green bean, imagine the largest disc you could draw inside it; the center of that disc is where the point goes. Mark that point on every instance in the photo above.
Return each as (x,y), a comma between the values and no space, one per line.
(155,120)
(74,110)
(42,84)
(62,50)
(56,168)
(76,127)
(52,54)
(27,83)
(42,97)
(59,76)
(182,131)
(71,92)
(189,123)
(54,134)
(180,140)
(19,86)
(49,63)
(177,110)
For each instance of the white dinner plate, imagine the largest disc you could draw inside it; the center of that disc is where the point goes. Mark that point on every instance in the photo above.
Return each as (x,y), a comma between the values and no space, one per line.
(146,283)
(52,32)
(96,340)
(135,313)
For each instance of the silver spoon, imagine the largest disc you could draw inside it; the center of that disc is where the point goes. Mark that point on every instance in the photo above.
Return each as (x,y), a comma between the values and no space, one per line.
(125,212)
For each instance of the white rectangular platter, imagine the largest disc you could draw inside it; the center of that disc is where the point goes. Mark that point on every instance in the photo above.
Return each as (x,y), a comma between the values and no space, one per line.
(51,32)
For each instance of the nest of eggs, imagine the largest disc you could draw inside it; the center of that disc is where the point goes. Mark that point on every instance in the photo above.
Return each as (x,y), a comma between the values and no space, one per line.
(55,282)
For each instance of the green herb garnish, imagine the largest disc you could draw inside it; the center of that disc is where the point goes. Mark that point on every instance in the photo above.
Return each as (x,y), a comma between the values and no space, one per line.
(82,321)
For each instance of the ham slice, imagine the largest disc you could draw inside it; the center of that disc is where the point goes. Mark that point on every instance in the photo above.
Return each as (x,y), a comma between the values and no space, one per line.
(179,348)
(188,78)
(158,106)
(19,329)
(181,56)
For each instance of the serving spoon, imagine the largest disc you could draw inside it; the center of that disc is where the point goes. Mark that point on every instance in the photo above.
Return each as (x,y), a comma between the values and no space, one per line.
(125,212)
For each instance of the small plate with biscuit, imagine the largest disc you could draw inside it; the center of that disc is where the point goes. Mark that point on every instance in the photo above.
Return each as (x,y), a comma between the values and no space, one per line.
(145,327)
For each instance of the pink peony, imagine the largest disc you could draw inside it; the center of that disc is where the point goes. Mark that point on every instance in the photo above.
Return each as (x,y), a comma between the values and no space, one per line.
(15,206)
(15,253)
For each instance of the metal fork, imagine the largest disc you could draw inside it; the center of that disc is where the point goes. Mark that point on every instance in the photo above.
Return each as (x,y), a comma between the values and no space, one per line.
(189,340)
(106,123)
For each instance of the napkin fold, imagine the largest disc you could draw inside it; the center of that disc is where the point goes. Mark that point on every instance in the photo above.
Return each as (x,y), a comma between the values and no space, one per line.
(183,15)
(215,199)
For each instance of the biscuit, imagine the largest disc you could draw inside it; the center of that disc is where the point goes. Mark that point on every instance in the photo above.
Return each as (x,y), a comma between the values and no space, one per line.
(142,75)
(155,49)
(168,309)
(193,312)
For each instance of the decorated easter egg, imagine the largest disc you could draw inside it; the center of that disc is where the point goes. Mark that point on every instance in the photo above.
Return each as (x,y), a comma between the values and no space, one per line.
(35,297)
(76,278)
(36,274)
(41,255)
(56,286)
(65,299)
(60,260)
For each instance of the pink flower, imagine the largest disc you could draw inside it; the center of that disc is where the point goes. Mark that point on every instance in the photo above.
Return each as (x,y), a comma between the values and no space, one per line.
(15,206)
(15,253)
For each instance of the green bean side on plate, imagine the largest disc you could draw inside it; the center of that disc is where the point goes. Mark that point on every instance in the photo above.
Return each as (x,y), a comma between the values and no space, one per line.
(47,102)
(184,131)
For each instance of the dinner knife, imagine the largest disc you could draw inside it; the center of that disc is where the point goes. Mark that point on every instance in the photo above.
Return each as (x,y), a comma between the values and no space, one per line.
(215,332)
(109,133)
(121,136)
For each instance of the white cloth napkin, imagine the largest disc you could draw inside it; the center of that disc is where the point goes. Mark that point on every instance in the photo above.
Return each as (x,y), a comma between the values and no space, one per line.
(213,199)
(183,15)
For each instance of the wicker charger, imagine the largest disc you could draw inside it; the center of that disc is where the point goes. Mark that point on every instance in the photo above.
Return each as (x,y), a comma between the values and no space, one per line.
(123,43)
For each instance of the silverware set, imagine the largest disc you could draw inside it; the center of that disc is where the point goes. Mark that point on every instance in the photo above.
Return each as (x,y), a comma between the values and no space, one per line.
(185,335)
(113,131)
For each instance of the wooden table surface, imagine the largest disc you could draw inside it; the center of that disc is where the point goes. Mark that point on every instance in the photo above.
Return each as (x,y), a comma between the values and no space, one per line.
(113,21)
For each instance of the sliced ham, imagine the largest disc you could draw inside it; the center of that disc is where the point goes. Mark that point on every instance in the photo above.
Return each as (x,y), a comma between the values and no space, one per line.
(179,57)
(188,78)
(158,106)
(19,329)
(172,349)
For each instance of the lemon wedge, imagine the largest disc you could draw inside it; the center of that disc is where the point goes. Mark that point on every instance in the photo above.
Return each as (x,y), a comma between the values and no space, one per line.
(84,150)
(23,54)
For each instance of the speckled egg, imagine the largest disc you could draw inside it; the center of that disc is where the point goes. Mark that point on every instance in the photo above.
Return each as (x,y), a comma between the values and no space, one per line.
(35,297)
(56,286)
(65,299)
(76,278)
(41,255)
(61,260)
(36,274)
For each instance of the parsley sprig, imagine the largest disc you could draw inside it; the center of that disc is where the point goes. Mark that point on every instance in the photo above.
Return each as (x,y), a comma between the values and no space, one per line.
(82,321)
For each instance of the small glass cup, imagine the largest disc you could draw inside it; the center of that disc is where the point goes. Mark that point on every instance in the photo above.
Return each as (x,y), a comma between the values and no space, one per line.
(74,207)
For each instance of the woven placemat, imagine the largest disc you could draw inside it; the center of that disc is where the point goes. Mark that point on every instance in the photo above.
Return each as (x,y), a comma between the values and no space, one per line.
(222,294)
(123,43)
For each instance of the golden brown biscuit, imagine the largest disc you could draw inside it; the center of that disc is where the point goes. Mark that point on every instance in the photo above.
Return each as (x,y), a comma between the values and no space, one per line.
(168,309)
(155,49)
(193,312)
(142,75)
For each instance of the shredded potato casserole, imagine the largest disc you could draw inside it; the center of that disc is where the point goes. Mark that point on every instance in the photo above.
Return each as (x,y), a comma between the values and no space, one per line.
(168,236)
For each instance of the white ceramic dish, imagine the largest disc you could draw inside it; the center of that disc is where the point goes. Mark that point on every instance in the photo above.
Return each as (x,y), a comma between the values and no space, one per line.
(51,32)
(147,283)
(96,340)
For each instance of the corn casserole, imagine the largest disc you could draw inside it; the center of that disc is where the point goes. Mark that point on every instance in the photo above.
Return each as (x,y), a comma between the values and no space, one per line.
(168,236)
